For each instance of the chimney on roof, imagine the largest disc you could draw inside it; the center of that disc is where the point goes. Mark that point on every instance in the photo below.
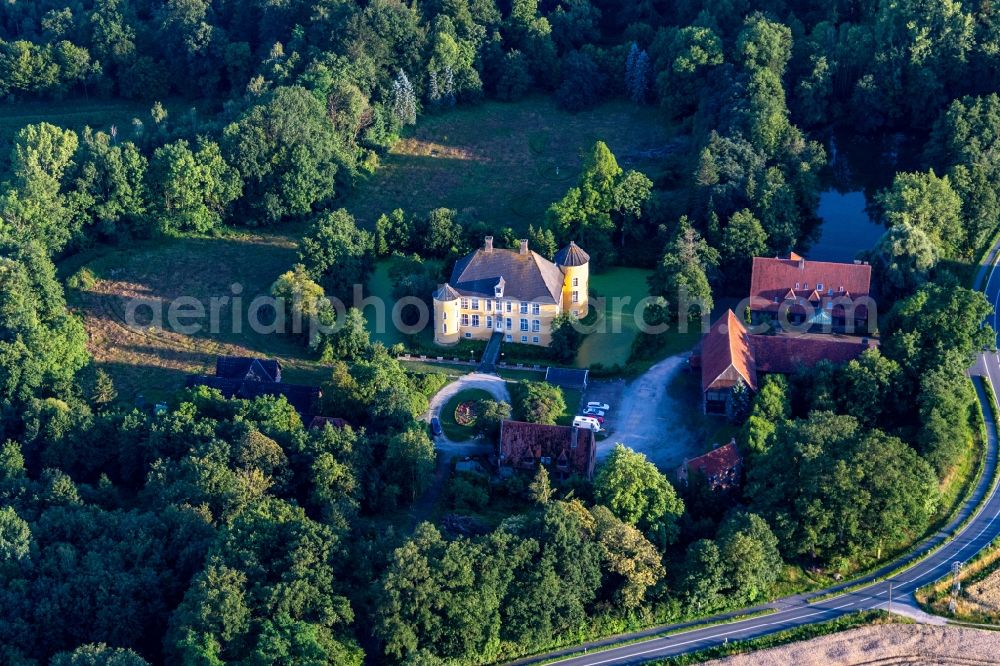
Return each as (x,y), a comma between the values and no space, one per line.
(488,244)
(524,246)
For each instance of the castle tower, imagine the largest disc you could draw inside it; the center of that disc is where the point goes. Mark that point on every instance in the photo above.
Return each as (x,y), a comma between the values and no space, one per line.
(575,266)
(447,323)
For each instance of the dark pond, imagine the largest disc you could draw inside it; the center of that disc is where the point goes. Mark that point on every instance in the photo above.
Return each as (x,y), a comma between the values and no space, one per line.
(858,168)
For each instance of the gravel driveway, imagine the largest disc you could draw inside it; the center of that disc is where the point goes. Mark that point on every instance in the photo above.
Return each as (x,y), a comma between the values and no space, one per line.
(646,418)
(492,384)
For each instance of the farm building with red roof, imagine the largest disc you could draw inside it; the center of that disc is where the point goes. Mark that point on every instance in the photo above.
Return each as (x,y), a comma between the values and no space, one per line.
(721,467)
(564,450)
(729,355)
(829,295)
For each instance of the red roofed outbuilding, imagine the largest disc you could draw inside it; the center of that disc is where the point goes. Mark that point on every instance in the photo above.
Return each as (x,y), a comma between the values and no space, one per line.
(820,292)
(721,466)
(564,450)
(729,355)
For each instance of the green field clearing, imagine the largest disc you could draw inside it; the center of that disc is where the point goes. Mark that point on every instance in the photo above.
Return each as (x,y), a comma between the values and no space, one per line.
(611,343)
(153,361)
(503,164)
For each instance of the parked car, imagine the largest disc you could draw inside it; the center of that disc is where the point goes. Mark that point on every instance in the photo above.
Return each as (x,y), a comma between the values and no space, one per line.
(592,411)
(436,427)
(599,405)
(587,422)
(597,417)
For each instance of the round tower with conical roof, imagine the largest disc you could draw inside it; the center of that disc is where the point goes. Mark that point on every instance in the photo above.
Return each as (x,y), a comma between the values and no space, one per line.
(575,266)
(447,323)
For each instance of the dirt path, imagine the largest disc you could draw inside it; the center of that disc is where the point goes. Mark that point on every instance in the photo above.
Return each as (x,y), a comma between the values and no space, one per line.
(647,419)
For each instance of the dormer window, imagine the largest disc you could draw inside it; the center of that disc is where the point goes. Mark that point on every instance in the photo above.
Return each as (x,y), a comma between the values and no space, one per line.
(797,286)
(819,286)
(841,288)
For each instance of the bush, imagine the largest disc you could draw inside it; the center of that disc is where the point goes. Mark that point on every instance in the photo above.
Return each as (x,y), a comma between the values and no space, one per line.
(83,280)
(469,492)
(428,384)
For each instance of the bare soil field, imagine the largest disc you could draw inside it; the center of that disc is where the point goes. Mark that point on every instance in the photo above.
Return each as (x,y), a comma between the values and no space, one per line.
(882,644)
(982,598)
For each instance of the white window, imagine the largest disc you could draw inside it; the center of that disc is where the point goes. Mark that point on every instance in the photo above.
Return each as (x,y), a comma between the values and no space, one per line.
(497,306)
(524,307)
(576,282)
(819,286)
(475,303)
(489,322)
(524,324)
(444,328)
(465,304)
(535,339)
(509,304)
(536,326)
(489,306)
(444,315)
(524,338)
(509,337)
(510,323)
(576,297)
(536,309)
(475,321)
(465,320)
(468,335)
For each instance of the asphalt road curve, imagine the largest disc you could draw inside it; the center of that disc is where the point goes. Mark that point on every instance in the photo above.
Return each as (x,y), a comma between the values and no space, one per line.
(790,612)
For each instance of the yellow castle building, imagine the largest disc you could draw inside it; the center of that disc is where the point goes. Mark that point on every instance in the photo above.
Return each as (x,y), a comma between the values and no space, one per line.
(514,292)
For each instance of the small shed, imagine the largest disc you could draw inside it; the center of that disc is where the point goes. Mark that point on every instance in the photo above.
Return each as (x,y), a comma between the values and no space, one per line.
(570,378)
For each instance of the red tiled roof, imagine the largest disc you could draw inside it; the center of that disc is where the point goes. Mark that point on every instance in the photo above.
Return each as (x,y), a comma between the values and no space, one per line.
(775,277)
(726,355)
(728,352)
(717,461)
(784,353)
(319,422)
(523,445)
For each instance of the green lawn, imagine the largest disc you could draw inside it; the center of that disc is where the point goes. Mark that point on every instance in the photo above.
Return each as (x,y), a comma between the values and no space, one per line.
(153,361)
(622,289)
(504,163)
(453,430)
(573,398)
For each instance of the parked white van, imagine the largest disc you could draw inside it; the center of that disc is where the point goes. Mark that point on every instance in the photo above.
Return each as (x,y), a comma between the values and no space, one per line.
(588,422)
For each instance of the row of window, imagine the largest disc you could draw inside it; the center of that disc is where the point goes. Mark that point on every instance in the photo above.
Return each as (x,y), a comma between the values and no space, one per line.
(500,306)
(819,287)
(474,321)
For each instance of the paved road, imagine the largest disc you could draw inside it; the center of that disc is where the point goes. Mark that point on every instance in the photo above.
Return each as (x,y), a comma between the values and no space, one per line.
(794,611)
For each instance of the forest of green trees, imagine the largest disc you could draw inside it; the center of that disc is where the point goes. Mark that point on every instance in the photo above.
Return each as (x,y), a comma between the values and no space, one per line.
(225,531)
